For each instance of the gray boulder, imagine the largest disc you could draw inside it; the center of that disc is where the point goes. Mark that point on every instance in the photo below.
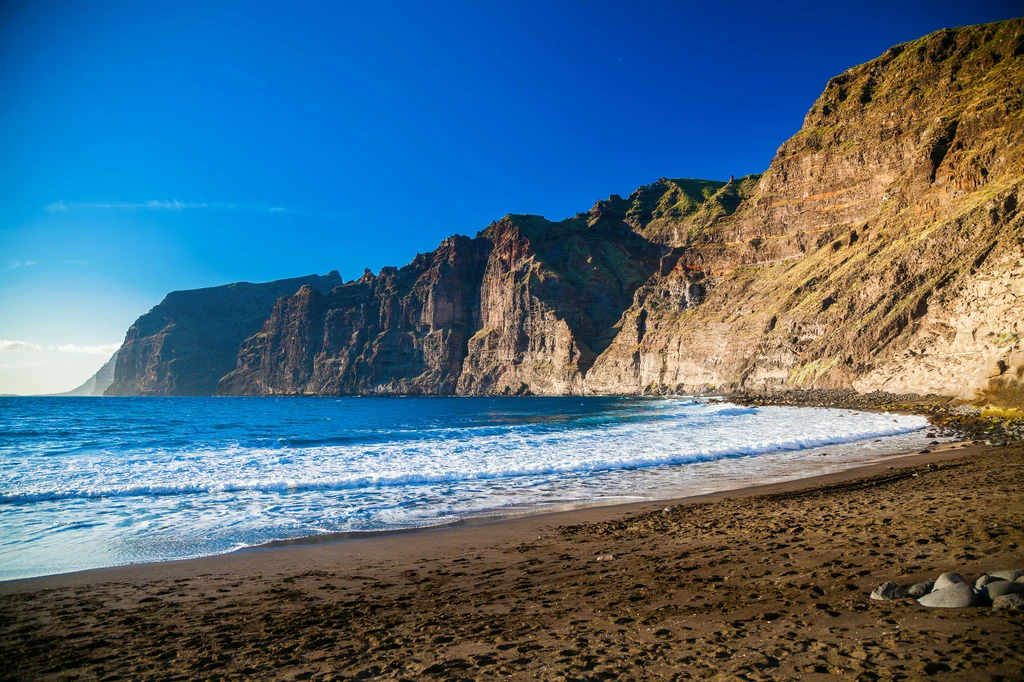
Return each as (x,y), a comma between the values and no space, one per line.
(955,596)
(1008,602)
(985,580)
(1001,587)
(887,592)
(1009,574)
(947,579)
(1020,579)
(920,589)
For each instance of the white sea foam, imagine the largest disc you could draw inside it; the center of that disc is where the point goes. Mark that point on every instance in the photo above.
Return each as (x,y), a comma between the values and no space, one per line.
(196,498)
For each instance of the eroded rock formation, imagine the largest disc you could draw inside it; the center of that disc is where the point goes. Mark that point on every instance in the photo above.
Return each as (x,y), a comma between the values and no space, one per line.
(184,345)
(882,249)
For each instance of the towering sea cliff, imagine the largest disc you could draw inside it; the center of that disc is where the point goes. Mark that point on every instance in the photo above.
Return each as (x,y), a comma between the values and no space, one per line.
(184,345)
(882,249)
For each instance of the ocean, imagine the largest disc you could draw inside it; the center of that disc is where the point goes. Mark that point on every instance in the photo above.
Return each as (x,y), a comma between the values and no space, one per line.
(95,482)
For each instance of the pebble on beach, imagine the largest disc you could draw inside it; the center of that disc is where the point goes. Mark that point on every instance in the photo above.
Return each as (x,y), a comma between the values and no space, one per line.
(985,580)
(1008,602)
(887,592)
(920,589)
(954,596)
(1001,587)
(946,580)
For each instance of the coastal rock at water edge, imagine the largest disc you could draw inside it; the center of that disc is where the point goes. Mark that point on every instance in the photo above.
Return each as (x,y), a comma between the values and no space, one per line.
(947,579)
(1008,602)
(887,592)
(1009,574)
(1001,587)
(955,596)
(985,580)
(920,589)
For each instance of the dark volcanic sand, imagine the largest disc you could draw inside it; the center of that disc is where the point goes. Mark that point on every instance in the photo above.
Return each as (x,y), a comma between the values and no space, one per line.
(772,586)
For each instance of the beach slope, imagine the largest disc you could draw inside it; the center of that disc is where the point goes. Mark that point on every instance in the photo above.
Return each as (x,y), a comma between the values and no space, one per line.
(769,583)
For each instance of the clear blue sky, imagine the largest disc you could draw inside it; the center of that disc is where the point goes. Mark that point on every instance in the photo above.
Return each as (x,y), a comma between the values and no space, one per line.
(305,137)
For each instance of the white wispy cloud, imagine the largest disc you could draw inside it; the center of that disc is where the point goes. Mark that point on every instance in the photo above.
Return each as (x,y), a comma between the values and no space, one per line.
(164,205)
(103,349)
(23,263)
(8,345)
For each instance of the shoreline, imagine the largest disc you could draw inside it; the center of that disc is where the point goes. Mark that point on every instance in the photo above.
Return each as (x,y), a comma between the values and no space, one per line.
(943,452)
(576,513)
(763,582)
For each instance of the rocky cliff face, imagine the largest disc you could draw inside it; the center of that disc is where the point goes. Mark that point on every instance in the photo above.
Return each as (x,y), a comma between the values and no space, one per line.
(882,249)
(184,345)
(524,307)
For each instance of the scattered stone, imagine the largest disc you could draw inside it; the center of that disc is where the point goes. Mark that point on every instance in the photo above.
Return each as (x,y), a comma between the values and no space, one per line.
(887,592)
(1020,579)
(932,466)
(955,596)
(920,589)
(606,557)
(1008,602)
(923,452)
(947,579)
(1001,587)
(985,580)
(1010,574)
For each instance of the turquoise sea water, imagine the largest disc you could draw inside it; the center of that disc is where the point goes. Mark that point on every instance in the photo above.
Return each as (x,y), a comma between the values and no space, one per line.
(90,482)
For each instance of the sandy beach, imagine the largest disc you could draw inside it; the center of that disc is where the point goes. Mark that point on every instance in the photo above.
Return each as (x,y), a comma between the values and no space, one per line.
(764,583)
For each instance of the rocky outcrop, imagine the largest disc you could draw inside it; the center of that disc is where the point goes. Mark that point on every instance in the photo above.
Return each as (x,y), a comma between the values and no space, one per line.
(402,331)
(98,383)
(883,249)
(184,345)
(524,307)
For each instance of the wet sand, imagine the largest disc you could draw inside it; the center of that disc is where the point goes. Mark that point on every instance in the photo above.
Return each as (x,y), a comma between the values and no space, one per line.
(764,583)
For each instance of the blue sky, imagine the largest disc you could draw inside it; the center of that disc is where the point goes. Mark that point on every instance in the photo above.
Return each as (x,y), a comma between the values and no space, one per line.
(157,146)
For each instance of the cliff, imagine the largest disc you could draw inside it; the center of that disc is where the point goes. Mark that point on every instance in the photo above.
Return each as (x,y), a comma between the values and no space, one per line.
(184,345)
(882,248)
(524,307)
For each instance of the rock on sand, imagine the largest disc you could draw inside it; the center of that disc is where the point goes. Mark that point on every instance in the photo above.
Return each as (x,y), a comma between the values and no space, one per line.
(955,596)
(1010,574)
(985,580)
(920,589)
(1001,587)
(887,592)
(1008,602)
(947,579)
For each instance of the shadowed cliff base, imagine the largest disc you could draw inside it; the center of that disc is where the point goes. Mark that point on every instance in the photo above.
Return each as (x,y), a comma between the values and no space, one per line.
(883,249)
